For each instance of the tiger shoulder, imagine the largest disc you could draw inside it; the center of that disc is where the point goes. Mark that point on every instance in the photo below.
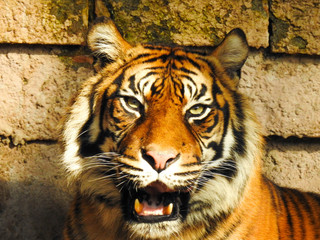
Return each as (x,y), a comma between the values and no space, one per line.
(160,144)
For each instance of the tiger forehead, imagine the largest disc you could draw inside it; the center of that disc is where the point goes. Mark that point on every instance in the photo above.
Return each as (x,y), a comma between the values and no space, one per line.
(157,69)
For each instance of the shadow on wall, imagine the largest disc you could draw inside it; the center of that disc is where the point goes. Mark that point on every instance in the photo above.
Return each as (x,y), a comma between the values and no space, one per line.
(32,210)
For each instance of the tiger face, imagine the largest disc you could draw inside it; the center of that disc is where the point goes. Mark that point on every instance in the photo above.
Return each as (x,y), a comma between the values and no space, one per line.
(162,133)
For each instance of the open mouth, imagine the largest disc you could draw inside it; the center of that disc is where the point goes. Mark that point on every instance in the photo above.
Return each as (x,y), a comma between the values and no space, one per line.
(155,203)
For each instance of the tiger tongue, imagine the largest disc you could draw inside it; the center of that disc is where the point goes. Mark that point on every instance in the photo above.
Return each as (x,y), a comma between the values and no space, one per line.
(147,209)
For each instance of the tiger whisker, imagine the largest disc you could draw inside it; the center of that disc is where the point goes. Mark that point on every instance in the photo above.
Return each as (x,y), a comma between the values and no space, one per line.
(80,134)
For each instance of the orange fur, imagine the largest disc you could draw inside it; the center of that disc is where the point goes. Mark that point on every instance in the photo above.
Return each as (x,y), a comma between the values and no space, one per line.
(161,126)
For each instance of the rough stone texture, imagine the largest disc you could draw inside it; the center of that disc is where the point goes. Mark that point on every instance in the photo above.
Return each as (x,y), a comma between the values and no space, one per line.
(284,91)
(43,21)
(295,26)
(34,197)
(35,88)
(294,163)
(191,22)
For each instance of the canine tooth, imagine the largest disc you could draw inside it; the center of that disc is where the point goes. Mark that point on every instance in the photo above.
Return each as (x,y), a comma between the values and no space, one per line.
(168,209)
(138,207)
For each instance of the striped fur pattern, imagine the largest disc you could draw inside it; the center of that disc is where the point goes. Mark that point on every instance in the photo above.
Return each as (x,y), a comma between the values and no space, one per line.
(161,145)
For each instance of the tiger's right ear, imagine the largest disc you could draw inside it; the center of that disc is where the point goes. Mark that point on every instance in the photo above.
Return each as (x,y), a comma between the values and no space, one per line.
(106,42)
(232,53)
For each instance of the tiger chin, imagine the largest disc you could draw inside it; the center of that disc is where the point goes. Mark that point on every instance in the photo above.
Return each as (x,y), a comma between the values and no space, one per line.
(160,144)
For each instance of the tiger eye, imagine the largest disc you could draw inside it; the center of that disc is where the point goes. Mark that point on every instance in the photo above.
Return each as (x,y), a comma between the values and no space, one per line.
(133,103)
(197,110)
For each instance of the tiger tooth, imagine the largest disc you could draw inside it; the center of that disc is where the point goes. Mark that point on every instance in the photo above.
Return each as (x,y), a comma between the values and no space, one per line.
(138,207)
(168,209)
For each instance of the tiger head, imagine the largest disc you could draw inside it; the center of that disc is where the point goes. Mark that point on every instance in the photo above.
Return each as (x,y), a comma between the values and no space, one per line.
(162,133)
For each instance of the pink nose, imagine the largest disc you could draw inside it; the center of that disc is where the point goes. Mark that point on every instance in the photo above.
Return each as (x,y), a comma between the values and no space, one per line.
(161,159)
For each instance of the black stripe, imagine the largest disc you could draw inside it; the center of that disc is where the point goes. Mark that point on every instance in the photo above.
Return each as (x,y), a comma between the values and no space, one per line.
(315,214)
(199,205)
(240,144)
(300,219)
(188,78)
(308,210)
(191,164)
(88,148)
(215,89)
(148,75)
(92,94)
(226,117)
(219,148)
(239,133)
(209,64)
(163,58)
(285,201)
(132,86)
(203,179)
(155,68)
(157,89)
(119,79)
(214,224)
(203,91)
(129,167)
(186,173)
(231,229)
(143,55)
(108,201)
(191,61)
(202,121)
(274,194)
(179,89)
(228,169)
(102,110)
(77,211)
(187,71)
(69,229)
(183,69)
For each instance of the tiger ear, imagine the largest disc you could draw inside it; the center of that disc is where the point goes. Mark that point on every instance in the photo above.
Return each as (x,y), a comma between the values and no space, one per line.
(232,53)
(106,42)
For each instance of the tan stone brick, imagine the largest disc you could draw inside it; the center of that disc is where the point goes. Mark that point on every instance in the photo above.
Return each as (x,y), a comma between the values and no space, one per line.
(295,26)
(34,196)
(191,22)
(44,22)
(35,88)
(284,91)
(294,164)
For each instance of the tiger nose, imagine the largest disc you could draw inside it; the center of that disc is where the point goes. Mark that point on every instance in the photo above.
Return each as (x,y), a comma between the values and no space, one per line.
(160,160)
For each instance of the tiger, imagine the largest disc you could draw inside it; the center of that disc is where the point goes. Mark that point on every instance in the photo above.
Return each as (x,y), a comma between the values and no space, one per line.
(160,144)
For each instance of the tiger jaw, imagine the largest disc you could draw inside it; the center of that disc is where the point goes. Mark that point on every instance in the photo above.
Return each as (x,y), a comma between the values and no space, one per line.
(154,203)
(152,208)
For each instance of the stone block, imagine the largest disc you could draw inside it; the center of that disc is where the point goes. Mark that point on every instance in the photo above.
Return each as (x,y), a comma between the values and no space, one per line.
(34,197)
(284,91)
(294,163)
(191,22)
(295,26)
(36,85)
(43,22)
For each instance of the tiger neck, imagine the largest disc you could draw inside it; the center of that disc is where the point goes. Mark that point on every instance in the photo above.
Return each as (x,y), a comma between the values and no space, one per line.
(246,218)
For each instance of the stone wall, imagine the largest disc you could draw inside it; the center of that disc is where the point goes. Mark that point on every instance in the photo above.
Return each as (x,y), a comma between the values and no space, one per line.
(43,62)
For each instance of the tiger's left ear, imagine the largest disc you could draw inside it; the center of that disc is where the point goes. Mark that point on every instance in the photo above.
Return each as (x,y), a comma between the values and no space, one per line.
(232,53)
(106,42)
